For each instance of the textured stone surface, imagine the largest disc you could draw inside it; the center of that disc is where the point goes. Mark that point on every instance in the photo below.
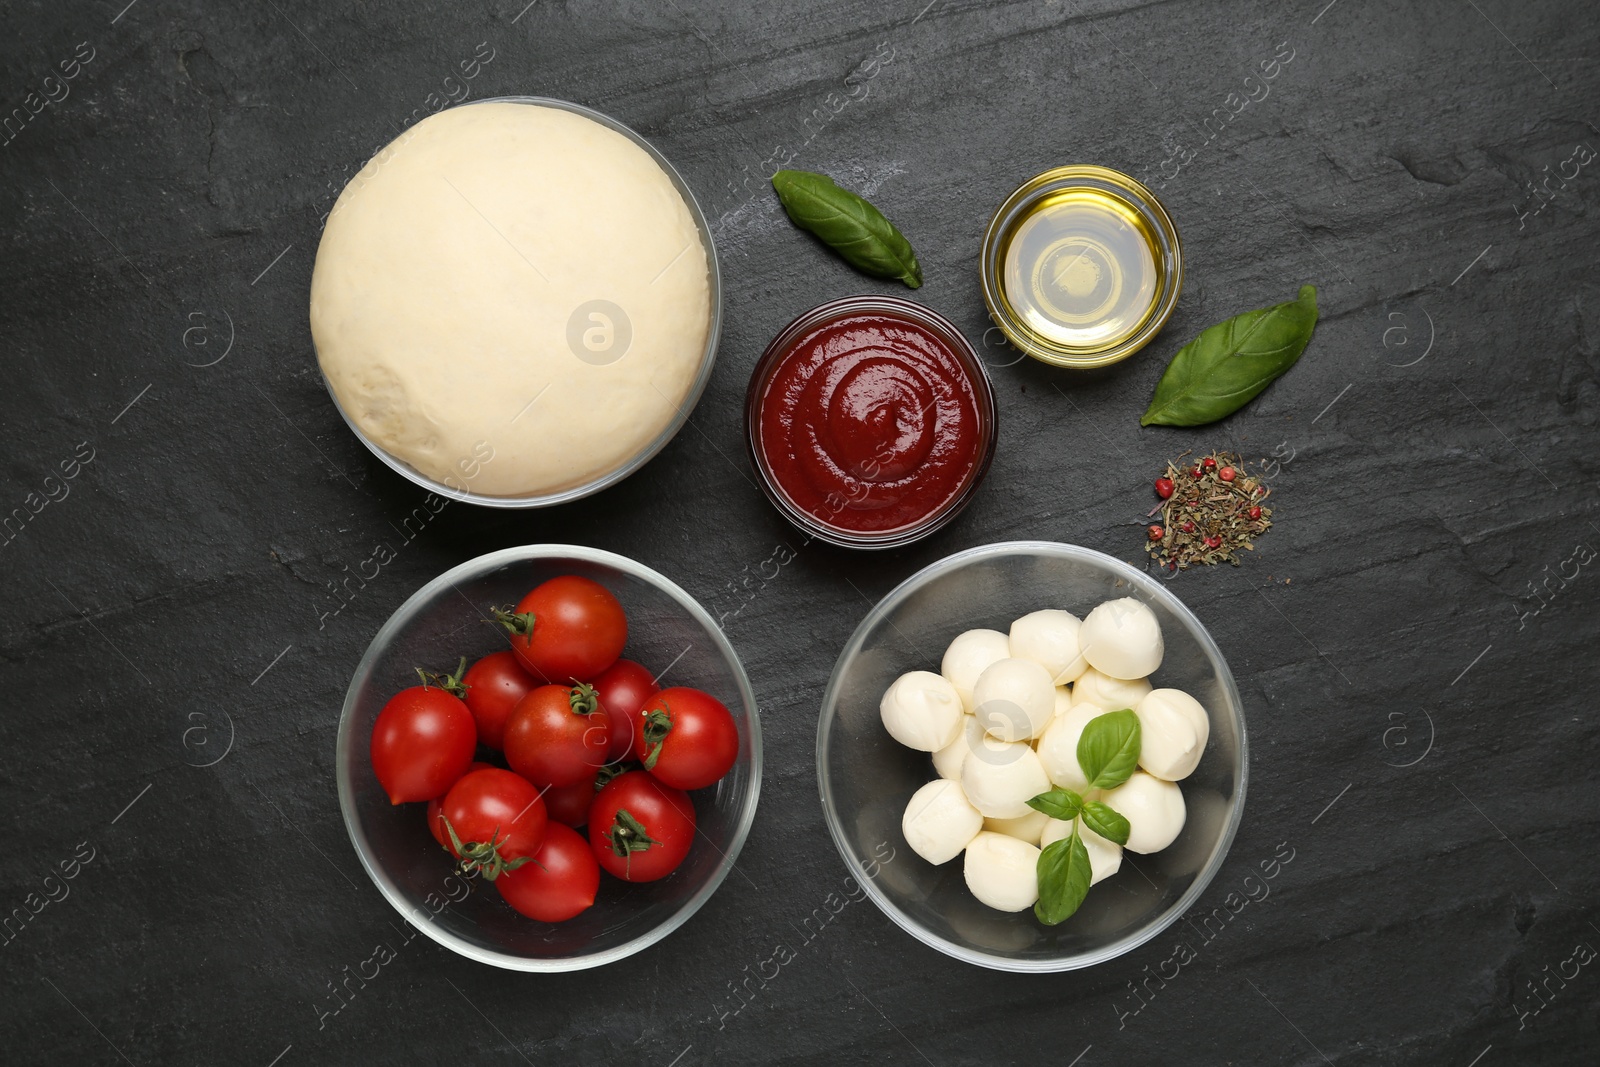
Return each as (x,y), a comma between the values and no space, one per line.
(1439,447)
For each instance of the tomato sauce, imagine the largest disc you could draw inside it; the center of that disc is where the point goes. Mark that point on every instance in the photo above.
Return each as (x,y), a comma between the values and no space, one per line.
(870,421)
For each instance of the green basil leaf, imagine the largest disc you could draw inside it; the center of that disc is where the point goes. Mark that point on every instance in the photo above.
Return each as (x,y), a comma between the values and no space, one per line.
(847,224)
(1105,822)
(1108,750)
(1061,804)
(1063,879)
(1224,368)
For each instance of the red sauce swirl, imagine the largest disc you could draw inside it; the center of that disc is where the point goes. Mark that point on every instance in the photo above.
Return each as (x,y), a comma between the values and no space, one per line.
(869,422)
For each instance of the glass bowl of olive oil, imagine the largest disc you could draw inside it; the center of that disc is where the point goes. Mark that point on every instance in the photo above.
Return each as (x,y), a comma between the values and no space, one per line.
(1081,266)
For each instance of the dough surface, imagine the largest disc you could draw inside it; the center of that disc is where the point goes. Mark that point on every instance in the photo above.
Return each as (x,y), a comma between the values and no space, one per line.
(449,283)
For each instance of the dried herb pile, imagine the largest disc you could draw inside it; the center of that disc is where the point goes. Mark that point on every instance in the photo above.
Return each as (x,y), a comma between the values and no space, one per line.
(1212,510)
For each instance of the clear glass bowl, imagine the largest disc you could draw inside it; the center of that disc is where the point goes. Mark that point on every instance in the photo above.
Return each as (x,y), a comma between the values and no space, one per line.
(892,307)
(1140,203)
(447,618)
(866,777)
(696,388)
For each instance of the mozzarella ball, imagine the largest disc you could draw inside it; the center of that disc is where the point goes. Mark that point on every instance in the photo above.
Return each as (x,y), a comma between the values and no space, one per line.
(1107,693)
(922,711)
(1050,638)
(1154,810)
(947,761)
(1014,699)
(1121,638)
(1002,872)
(969,655)
(1024,827)
(1058,748)
(1063,700)
(1000,778)
(1105,857)
(939,822)
(1173,729)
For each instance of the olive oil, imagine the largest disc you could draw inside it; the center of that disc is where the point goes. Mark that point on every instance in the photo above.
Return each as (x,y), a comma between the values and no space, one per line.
(1081,266)
(1079,269)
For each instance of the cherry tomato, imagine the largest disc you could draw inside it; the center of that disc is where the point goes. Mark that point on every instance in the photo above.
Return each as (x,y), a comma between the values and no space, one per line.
(569,804)
(498,818)
(560,882)
(640,829)
(686,738)
(436,805)
(623,688)
(567,630)
(422,743)
(557,735)
(494,685)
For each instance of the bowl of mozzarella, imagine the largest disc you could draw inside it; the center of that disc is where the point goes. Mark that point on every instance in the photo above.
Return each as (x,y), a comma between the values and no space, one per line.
(965,693)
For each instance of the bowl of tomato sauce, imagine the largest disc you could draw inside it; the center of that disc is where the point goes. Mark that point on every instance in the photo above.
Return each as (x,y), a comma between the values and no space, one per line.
(871,422)
(452,616)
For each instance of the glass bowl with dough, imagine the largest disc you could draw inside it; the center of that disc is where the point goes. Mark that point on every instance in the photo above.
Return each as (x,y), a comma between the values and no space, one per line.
(516,303)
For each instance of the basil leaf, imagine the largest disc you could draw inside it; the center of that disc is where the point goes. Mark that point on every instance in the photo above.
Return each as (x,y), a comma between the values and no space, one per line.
(847,224)
(1061,804)
(1224,368)
(1063,879)
(1105,822)
(1108,750)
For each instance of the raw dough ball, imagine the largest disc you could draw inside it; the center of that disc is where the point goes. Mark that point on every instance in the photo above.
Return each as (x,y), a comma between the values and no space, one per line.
(1024,827)
(1002,777)
(1154,810)
(1105,857)
(1122,638)
(921,711)
(1109,694)
(939,822)
(458,265)
(1050,638)
(1058,748)
(969,655)
(1014,699)
(1173,728)
(1002,872)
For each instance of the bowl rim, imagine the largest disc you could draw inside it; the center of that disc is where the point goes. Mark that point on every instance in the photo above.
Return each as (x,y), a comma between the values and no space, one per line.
(884,304)
(1140,582)
(1139,197)
(395,623)
(697,388)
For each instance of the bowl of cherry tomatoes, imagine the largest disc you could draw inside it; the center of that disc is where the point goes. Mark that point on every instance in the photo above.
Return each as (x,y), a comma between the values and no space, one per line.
(549,758)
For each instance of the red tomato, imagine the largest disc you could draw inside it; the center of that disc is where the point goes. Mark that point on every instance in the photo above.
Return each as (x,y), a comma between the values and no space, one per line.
(640,830)
(494,685)
(557,735)
(623,688)
(498,818)
(567,630)
(436,805)
(569,804)
(686,738)
(560,882)
(422,743)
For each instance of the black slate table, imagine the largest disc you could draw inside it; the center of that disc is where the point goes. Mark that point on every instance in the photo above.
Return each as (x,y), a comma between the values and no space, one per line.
(1415,638)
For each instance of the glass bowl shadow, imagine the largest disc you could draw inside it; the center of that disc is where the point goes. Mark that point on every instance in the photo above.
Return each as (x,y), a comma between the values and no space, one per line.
(680,416)
(448,617)
(866,777)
